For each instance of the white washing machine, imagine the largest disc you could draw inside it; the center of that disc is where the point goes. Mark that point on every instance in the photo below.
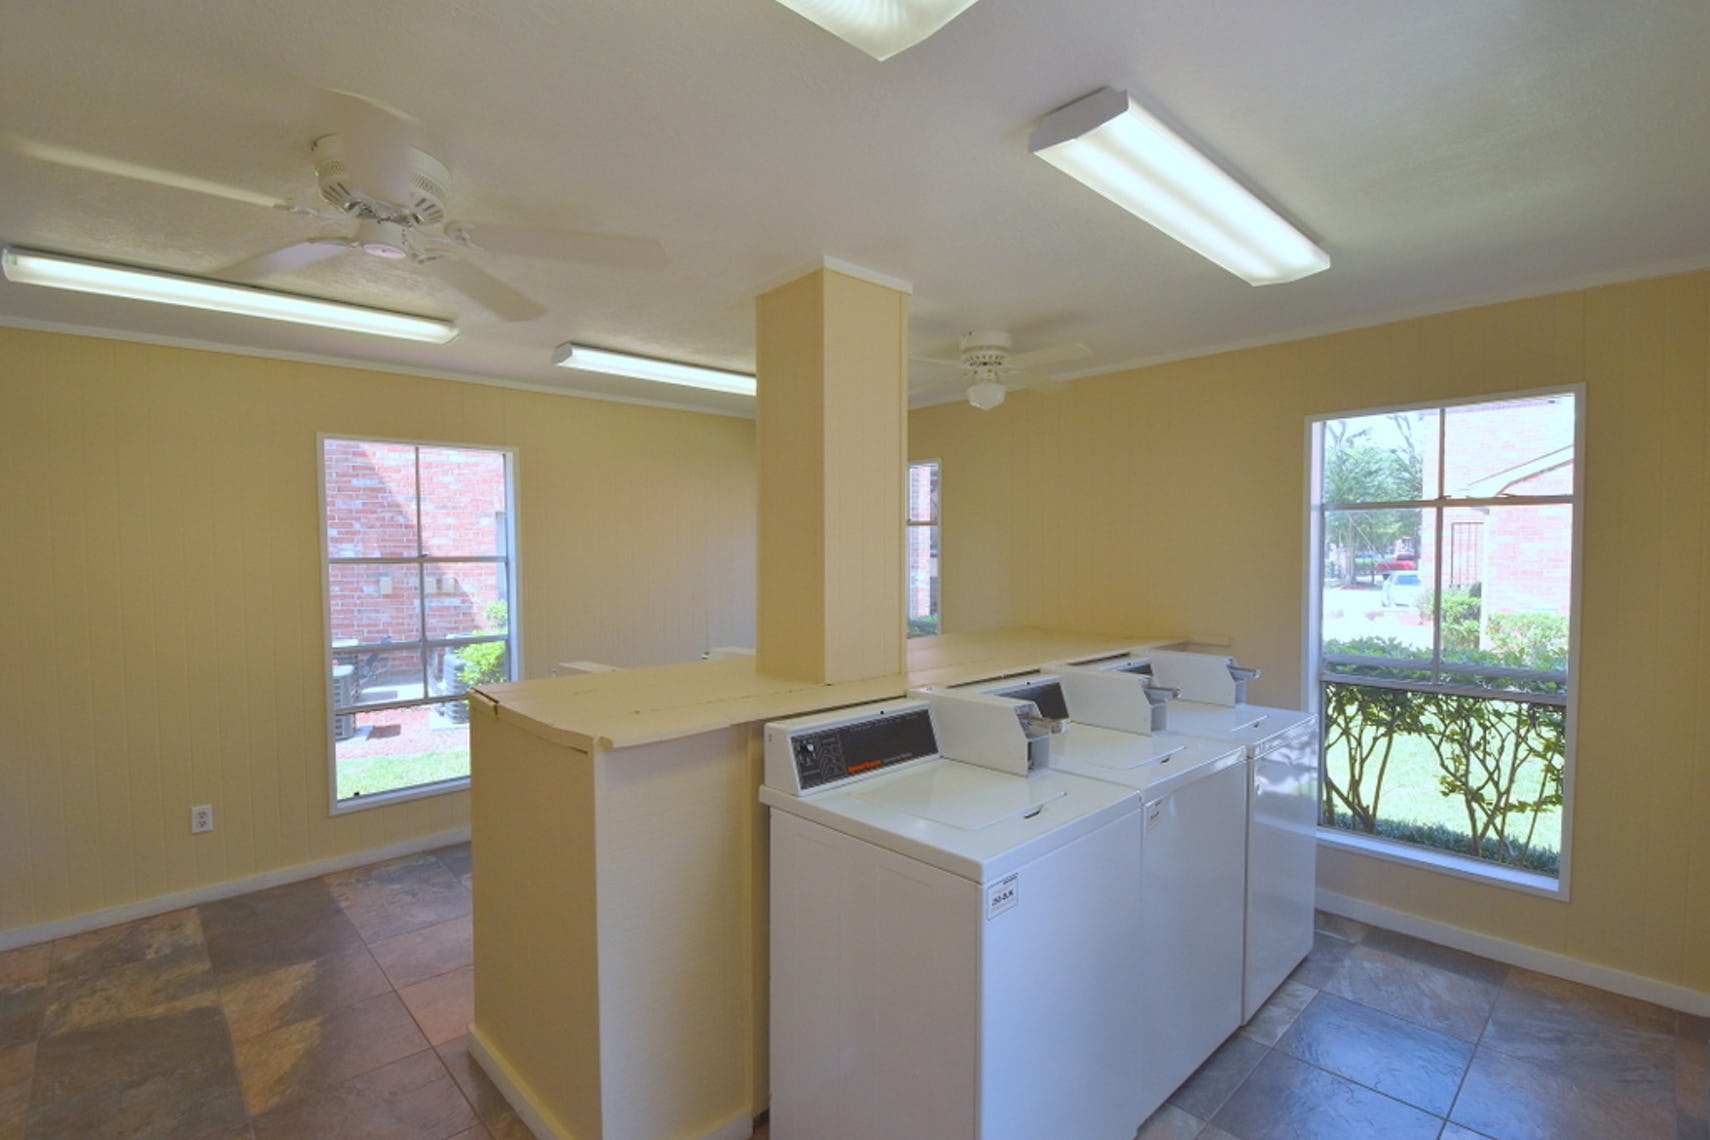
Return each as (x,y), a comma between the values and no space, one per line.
(952,942)
(1193,861)
(1282,829)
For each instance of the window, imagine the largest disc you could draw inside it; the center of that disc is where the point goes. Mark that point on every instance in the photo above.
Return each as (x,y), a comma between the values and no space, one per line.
(1445,549)
(922,548)
(420,606)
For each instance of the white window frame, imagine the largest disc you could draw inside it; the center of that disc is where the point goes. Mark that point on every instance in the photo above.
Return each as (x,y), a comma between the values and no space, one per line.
(337,806)
(1444,862)
(936,523)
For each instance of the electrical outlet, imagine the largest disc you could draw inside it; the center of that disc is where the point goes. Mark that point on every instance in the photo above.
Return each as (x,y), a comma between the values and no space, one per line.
(201,818)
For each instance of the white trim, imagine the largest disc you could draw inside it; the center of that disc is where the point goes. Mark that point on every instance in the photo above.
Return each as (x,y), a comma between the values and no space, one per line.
(1631,985)
(835,265)
(510,1086)
(160,904)
(66,328)
(1444,862)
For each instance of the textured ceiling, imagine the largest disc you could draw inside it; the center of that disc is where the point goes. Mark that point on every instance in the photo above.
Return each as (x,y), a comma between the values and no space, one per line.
(1443,153)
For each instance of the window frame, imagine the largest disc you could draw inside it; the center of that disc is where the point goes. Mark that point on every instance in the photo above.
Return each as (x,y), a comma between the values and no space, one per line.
(510,560)
(1414,855)
(934,526)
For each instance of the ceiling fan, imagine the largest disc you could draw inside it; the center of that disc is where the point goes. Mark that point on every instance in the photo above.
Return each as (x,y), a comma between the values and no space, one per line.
(375,169)
(989,368)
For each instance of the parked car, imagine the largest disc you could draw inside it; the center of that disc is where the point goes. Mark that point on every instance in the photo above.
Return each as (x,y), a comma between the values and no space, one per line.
(1401,588)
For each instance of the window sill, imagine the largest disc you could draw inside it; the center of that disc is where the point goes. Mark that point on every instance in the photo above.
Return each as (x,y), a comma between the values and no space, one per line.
(1446,863)
(386,799)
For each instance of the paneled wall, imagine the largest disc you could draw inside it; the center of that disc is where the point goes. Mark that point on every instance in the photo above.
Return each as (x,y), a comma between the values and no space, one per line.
(160,637)
(1173,498)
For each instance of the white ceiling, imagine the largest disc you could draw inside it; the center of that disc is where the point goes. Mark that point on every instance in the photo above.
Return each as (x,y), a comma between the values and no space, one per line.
(1443,153)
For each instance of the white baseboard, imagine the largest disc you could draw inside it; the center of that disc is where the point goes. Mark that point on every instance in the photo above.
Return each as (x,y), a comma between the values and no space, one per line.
(160,904)
(1517,954)
(510,1087)
(738,1127)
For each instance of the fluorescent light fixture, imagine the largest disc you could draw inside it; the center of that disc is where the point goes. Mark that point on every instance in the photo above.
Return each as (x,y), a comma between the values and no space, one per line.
(28,267)
(881,28)
(1112,144)
(647,368)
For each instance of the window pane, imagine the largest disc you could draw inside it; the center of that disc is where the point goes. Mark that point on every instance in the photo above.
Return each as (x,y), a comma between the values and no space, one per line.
(1375,599)
(922,572)
(377,677)
(465,598)
(389,749)
(463,501)
(451,671)
(923,493)
(370,499)
(1374,459)
(1515,447)
(1514,614)
(373,604)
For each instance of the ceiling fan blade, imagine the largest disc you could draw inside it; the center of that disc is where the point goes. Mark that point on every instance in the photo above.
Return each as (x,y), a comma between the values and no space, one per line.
(287,260)
(946,361)
(1044,385)
(1056,354)
(104,164)
(562,245)
(484,289)
(378,141)
(937,384)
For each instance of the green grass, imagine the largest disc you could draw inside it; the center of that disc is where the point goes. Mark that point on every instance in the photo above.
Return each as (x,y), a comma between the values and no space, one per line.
(373,774)
(1412,807)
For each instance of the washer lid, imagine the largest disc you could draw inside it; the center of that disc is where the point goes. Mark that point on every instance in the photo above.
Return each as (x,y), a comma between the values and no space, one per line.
(962,795)
(1245,724)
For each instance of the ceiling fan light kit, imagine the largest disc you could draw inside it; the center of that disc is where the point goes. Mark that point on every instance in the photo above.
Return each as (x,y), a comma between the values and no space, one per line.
(1117,148)
(881,28)
(986,394)
(587,359)
(31,267)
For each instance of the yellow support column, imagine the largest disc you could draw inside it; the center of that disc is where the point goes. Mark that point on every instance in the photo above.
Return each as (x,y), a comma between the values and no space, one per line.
(832,349)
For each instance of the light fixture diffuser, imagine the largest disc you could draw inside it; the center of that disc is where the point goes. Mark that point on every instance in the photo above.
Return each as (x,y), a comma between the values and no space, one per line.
(581,356)
(1117,148)
(881,28)
(29,267)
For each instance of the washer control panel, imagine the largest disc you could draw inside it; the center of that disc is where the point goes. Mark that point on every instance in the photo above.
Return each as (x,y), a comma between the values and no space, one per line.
(824,756)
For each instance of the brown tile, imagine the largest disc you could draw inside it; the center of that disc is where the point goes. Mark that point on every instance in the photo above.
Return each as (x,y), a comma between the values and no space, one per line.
(1408,1062)
(398,895)
(320,1052)
(1321,961)
(1171,1123)
(1518,1100)
(1411,990)
(1472,966)
(443,1006)
(26,966)
(459,858)
(410,1099)
(153,987)
(1597,1036)
(264,930)
(1279,1012)
(176,935)
(490,1104)
(475,1133)
(1693,1028)
(1286,1099)
(1204,1093)
(1212,1133)
(255,1005)
(1692,1079)
(21,1010)
(17,1067)
(168,1077)
(422,954)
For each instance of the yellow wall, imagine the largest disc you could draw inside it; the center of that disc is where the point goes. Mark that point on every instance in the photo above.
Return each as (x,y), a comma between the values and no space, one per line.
(160,636)
(1172,497)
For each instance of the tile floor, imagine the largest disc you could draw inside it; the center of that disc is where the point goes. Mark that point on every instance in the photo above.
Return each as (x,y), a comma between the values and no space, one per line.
(1382,1035)
(336,1008)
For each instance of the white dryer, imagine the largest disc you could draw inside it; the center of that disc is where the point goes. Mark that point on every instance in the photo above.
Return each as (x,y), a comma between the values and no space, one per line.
(1193,861)
(952,943)
(1282,834)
